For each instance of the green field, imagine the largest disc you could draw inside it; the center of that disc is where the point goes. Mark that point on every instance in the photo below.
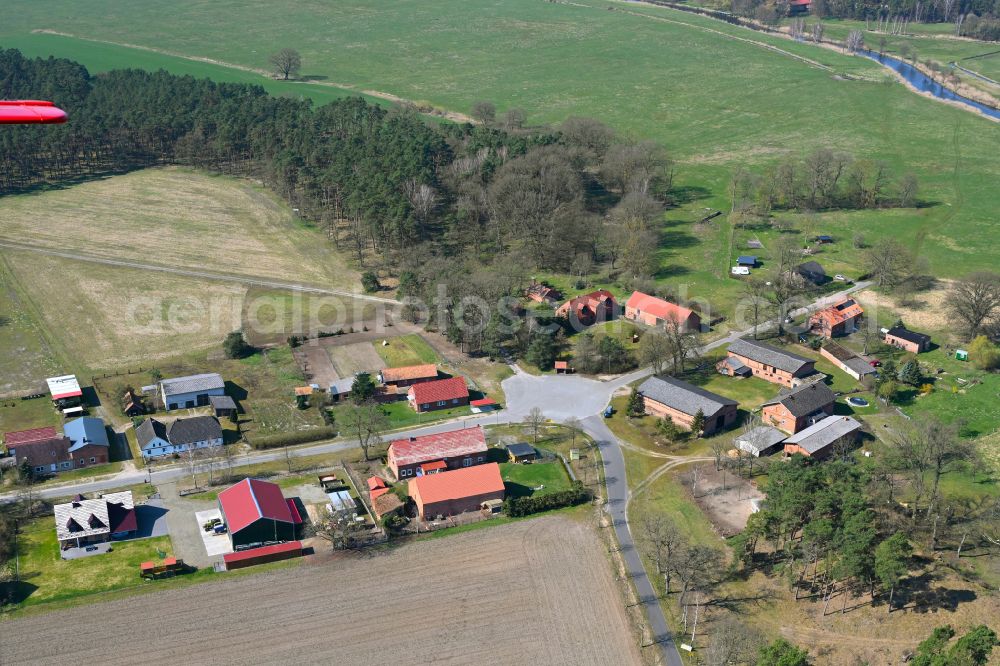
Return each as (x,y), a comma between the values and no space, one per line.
(715,95)
(406,350)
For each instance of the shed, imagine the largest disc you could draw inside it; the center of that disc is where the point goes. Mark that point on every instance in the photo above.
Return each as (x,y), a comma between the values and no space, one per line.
(223,405)
(483,405)
(342,502)
(961,355)
(272,553)
(760,441)
(746,260)
(824,239)
(521,452)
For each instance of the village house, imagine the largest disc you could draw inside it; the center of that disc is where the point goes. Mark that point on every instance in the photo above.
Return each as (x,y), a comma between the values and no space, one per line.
(417,456)
(191,391)
(157,439)
(813,272)
(666,397)
(86,521)
(408,375)
(911,341)
(541,293)
(750,357)
(847,360)
(588,309)
(799,408)
(256,513)
(438,394)
(837,320)
(42,449)
(89,443)
(520,452)
(818,440)
(457,491)
(656,312)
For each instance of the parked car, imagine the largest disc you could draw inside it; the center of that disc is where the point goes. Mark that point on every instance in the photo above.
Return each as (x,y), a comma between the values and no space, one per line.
(875,363)
(839,278)
(608,411)
(740,270)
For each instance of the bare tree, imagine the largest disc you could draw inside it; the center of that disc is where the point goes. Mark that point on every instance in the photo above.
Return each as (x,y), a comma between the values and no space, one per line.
(484,111)
(366,422)
(655,350)
(681,342)
(975,302)
(574,428)
(664,541)
(817,32)
(637,167)
(513,119)
(591,135)
(732,642)
(286,63)
(888,262)
(535,421)
(192,460)
(228,454)
(696,566)
(755,302)
(855,41)
(339,529)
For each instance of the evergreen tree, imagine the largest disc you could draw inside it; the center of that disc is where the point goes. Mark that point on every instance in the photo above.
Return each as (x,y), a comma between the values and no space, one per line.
(541,352)
(236,346)
(698,424)
(363,388)
(636,407)
(909,373)
(891,558)
(782,653)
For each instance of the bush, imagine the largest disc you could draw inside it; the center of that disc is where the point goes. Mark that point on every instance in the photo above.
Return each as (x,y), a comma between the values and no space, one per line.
(291,438)
(525,506)
(984,354)
(236,346)
(369,281)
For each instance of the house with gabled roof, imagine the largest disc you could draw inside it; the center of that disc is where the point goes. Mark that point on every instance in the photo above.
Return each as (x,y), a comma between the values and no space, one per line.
(667,397)
(86,521)
(191,391)
(837,320)
(456,491)
(747,357)
(408,375)
(847,360)
(588,309)
(800,407)
(911,341)
(656,312)
(818,440)
(157,439)
(89,443)
(256,514)
(438,394)
(453,449)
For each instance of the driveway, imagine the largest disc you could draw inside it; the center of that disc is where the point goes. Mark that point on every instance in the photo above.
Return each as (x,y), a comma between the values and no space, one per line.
(152,519)
(184,531)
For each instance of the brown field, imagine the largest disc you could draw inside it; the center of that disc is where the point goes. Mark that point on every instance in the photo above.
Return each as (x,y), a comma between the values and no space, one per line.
(928,312)
(181,219)
(534,592)
(354,358)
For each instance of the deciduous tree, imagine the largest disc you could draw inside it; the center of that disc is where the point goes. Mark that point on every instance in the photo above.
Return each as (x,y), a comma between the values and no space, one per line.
(286,62)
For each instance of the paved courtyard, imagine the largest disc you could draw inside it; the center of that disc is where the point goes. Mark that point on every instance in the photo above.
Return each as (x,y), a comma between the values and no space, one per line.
(215,544)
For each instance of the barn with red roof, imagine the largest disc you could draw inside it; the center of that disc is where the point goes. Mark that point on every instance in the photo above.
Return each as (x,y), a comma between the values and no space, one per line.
(256,514)
(456,491)
(656,312)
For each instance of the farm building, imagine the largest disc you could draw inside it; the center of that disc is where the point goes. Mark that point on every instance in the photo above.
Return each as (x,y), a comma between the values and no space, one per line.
(132,404)
(562,367)
(748,260)
(257,514)
(158,439)
(86,521)
(483,405)
(223,406)
(454,449)
(749,357)
(456,491)
(408,375)
(908,340)
(521,452)
(656,312)
(846,360)
(813,272)
(800,407)
(817,440)
(253,556)
(541,293)
(666,397)
(45,451)
(65,391)
(760,441)
(837,320)
(438,394)
(341,388)
(588,309)
(191,391)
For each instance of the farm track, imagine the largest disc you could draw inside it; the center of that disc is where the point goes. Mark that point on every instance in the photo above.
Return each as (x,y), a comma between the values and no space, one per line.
(205,275)
(539,591)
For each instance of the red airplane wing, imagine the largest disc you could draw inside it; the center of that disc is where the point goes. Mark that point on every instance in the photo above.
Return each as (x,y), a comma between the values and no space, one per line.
(30,112)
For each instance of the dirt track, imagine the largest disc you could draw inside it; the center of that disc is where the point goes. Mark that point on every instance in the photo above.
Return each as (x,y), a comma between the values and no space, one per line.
(536,592)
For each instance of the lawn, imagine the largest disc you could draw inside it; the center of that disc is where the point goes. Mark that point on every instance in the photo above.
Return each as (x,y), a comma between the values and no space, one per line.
(401,415)
(406,350)
(49,578)
(16,414)
(715,101)
(521,480)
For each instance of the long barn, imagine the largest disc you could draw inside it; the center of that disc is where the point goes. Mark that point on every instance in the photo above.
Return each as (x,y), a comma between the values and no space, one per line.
(256,513)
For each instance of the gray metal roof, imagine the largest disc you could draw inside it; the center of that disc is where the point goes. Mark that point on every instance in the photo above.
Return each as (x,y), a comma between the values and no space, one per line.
(860,366)
(762,438)
(908,335)
(520,449)
(192,383)
(768,355)
(342,386)
(195,429)
(221,402)
(821,435)
(805,399)
(683,397)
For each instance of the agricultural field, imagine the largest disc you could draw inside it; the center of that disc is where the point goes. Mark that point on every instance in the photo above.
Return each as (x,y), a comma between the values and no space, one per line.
(179,219)
(715,95)
(27,358)
(551,569)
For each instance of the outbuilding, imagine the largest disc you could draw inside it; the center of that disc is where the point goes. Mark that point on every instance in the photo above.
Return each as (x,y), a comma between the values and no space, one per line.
(191,391)
(257,514)
(521,452)
(911,341)
(760,441)
(669,398)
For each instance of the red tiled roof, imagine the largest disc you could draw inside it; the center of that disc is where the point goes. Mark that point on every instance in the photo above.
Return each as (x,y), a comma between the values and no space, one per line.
(463,441)
(12,439)
(252,499)
(483,402)
(840,312)
(409,372)
(287,547)
(560,365)
(438,390)
(378,492)
(458,483)
(657,307)
(587,301)
(375,482)
(432,466)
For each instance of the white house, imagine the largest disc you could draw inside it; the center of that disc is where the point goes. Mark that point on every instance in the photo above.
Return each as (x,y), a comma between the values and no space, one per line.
(191,391)
(157,439)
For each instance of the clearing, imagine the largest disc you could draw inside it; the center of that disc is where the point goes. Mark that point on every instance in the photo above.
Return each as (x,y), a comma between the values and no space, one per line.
(181,219)
(544,587)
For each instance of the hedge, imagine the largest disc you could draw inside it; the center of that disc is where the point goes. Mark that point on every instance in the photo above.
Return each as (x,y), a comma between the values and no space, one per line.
(290,438)
(525,506)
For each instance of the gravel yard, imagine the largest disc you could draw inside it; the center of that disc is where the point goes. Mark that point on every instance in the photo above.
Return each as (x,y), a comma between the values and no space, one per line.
(533,592)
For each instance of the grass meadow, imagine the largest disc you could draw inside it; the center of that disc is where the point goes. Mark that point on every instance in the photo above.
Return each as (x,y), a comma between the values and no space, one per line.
(715,95)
